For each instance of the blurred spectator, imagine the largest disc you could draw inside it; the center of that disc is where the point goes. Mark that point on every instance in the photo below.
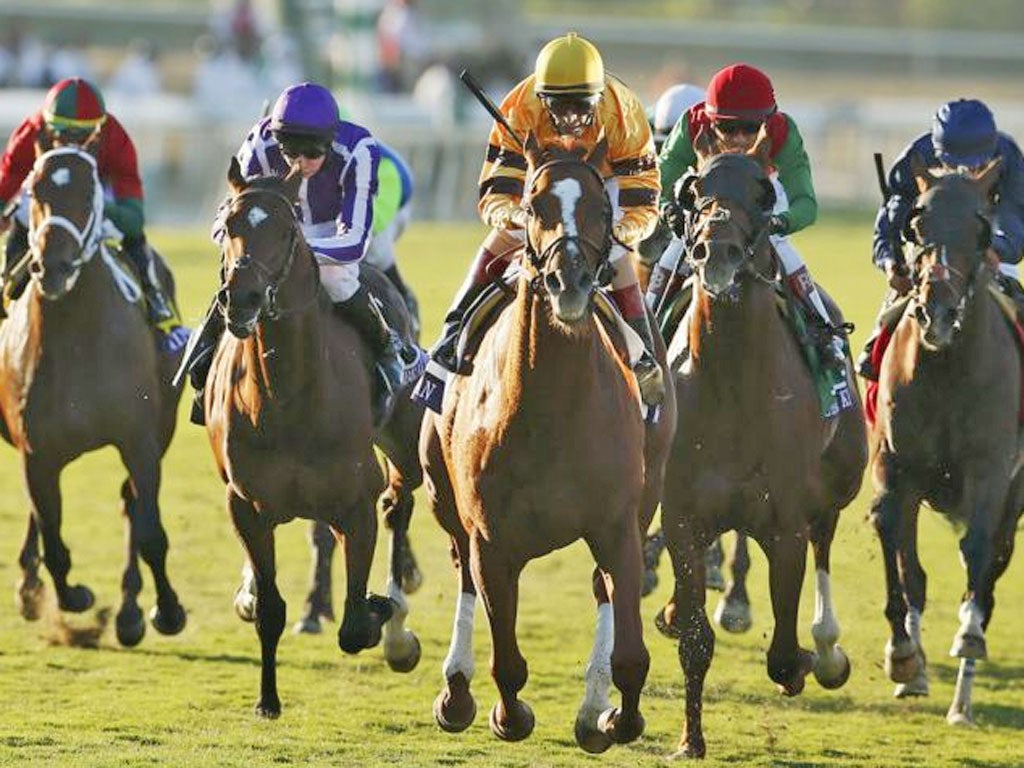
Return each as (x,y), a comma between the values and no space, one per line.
(137,74)
(66,60)
(22,59)
(223,84)
(241,27)
(401,45)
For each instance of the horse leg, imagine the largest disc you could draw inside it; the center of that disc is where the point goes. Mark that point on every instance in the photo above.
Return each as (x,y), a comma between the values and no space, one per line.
(832,665)
(733,611)
(687,618)
(31,588)
(598,677)
(130,623)
(318,601)
(619,556)
(788,663)
(893,512)
(148,538)
(396,505)
(714,556)
(915,585)
(258,539)
(43,480)
(654,545)
(454,707)
(401,646)
(364,614)
(245,596)
(497,580)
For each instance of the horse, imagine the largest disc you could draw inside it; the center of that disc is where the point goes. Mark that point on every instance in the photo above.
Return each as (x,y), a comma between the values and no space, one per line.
(935,439)
(289,414)
(540,445)
(80,369)
(752,451)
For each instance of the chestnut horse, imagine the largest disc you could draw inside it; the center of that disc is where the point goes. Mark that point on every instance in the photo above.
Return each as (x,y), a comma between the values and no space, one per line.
(752,451)
(289,416)
(80,369)
(542,444)
(948,427)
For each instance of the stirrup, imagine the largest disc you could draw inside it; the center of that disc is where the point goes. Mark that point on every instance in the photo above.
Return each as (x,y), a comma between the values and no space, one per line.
(650,379)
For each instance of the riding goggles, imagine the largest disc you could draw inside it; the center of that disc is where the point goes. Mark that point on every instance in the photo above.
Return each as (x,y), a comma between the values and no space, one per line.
(71,134)
(733,127)
(571,113)
(310,147)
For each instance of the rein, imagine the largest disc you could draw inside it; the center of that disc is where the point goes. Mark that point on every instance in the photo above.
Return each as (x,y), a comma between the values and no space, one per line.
(272,309)
(752,243)
(943,274)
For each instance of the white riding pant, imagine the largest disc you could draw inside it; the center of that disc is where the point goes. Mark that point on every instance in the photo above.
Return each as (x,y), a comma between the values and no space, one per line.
(381,251)
(340,279)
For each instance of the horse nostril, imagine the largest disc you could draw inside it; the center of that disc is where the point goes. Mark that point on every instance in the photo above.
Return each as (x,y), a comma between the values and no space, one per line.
(700,253)
(35,267)
(552,283)
(584,281)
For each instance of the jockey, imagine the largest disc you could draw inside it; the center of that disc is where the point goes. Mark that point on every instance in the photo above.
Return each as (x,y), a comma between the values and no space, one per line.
(391,215)
(338,161)
(73,112)
(568,98)
(740,100)
(963,139)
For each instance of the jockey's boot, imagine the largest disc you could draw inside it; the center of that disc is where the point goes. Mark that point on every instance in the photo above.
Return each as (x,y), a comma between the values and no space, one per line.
(15,249)
(162,313)
(889,315)
(1012,288)
(202,358)
(445,350)
(649,376)
(411,303)
(400,363)
(828,339)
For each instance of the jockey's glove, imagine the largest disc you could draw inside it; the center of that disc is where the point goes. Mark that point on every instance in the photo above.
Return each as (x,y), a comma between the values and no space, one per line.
(509,216)
(675,217)
(629,233)
(777,224)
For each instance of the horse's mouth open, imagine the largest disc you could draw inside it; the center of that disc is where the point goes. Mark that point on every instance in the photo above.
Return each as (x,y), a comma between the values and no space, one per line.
(242,328)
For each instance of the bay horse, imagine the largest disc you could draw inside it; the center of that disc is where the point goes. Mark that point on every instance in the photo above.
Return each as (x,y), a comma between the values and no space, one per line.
(80,369)
(947,430)
(752,451)
(541,445)
(289,415)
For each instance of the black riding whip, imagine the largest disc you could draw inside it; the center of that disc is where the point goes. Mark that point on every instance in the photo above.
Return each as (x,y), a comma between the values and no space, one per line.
(474,87)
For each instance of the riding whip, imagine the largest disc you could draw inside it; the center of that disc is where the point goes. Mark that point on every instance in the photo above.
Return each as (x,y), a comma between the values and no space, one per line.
(883,186)
(474,87)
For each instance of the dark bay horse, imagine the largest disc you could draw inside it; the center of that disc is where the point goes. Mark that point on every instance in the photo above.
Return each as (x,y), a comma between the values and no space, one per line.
(542,444)
(948,427)
(752,451)
(80,369)
(289,416)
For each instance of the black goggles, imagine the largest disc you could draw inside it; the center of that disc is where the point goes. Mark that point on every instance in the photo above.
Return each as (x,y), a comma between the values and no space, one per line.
(732,127)
(570,104)
(309,147)
(71,135)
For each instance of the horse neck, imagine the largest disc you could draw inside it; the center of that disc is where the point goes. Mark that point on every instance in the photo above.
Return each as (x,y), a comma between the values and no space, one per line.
(728,338)
(85,309)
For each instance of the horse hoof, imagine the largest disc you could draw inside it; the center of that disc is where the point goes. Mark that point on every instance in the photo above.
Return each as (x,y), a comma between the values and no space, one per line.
(690,750)
(308,625)
(408,662)
(245,604)
(454,707)
(915,688)
(76,599)
(131,626)
(620,729)
(960,717)
(29,598)
(268,710)
(591,739)
(969,647)
(829,678)
(518,723)
(733,616)
(792,684)
(168,622)
(668,630)
(903,663)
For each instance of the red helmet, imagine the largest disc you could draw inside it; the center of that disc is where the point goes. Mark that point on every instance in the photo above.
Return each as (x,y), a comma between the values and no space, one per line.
(740,92)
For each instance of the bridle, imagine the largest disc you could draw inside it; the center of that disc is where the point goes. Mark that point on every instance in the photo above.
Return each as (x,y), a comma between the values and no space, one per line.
(701,221)
(271,308)
(539,260)
(87,237)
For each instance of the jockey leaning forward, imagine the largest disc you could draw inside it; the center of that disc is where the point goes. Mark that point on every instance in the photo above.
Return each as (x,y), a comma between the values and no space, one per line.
(568,98)
(74,113)
(740,100)
(963,139)
(338,161)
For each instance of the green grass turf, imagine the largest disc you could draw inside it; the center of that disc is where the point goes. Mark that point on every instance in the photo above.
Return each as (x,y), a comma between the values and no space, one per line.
(187,700)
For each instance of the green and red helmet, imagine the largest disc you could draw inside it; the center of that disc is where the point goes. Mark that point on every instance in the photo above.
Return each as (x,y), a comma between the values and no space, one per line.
(74,104)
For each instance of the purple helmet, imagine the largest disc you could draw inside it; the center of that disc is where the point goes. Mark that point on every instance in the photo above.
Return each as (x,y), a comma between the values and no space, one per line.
(306,108)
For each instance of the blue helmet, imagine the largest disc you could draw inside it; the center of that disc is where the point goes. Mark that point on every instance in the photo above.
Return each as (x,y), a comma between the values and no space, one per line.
(964,133)
(306,108)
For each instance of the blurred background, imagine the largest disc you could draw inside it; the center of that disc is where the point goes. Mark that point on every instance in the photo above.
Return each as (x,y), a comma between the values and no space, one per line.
(189,77)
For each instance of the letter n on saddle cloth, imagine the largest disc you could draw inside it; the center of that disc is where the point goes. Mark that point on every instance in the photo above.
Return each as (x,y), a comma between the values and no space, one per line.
(431,387)
(885,336)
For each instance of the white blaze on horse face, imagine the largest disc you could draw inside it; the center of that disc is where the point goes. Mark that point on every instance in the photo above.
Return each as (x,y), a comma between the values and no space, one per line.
(568,192)
(256,216)
(61,177)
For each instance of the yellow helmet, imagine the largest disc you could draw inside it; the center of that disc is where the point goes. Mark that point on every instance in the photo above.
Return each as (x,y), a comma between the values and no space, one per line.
(569,65)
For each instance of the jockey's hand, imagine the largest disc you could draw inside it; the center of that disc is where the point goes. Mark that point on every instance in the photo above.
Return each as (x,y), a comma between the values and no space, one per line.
(777,225)
(509,216)
(675,217)
(899,279)
(627,232)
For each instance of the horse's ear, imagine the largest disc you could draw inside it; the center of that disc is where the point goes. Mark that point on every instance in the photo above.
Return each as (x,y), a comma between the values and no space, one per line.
(292,182)
(924,178)
(597,155)
(703,145)
(762,149)
(989,176)
(235,178)
(532,150)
